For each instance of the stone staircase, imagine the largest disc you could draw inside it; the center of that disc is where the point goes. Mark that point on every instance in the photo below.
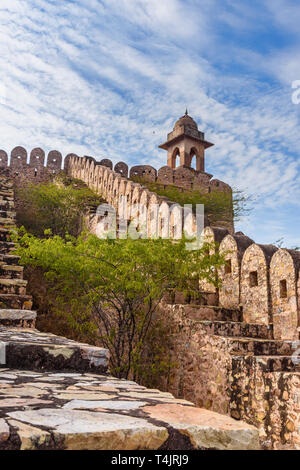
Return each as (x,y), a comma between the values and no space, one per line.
(24,346)
(243,339)
(260,375)
(15,304)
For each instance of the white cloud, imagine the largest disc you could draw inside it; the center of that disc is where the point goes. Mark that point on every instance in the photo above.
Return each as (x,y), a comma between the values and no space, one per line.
(109,78)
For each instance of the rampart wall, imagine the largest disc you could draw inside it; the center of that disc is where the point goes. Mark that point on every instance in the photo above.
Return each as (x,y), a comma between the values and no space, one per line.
(234,368)
(260,279)
(238,359)
(36,167)
(36,164)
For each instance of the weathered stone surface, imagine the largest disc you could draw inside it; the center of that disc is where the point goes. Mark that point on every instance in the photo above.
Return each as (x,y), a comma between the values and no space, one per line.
(93,388)
(96,431)
(233,248)
(255,288)
(24,391)
(42,418)
(31,438)
(236,367)
(17,318)
(285,293)
(82,395)
(238,329)
(267,397)
(21,402)
(14,314)
(7,375)
(31,349)
(206,429)
(109,405)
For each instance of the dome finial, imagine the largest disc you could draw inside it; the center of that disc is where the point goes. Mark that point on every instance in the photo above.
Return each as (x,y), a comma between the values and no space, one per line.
(186,112)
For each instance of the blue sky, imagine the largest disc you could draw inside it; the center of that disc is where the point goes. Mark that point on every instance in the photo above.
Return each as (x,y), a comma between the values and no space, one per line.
(108,78)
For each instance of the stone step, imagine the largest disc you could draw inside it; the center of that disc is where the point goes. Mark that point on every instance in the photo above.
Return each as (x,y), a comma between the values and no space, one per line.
(209,313)
(258,347)
(6,221)
(14,301)
(9,259)
(6,205)
(191,298)
(8,214)
(6,247)
(10,271)
(5,184)
(13,286)
(17,318)
(238,329)
(7,195)
(270,363)
(33,350)
(7,198)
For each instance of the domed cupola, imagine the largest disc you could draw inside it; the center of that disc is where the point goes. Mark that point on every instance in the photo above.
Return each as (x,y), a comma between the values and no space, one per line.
(185,120)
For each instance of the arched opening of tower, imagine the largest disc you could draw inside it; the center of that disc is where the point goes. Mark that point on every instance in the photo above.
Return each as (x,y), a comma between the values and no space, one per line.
(193,158)
(176,158)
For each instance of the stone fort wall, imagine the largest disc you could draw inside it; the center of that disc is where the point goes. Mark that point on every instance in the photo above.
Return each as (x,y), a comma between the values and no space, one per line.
(32,167)
(35,166)
(237,357)
(260,279)
(234,368)
(241,355)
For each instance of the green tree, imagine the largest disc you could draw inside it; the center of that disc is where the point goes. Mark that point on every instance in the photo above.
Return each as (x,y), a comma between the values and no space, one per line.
(59,205)
(115,286)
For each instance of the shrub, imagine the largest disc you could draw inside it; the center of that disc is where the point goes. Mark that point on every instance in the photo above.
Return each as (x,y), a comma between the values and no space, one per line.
(115,286)
(58,205)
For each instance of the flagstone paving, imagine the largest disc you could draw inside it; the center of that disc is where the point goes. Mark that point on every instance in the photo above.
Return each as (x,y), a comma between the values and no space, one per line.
(90,411)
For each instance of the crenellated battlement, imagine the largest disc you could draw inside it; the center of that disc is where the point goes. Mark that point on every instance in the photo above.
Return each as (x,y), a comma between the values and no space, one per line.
(110,180)
(21,160)
(33,164)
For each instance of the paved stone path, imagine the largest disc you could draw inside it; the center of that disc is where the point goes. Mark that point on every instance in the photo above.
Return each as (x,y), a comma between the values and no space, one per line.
(89,411)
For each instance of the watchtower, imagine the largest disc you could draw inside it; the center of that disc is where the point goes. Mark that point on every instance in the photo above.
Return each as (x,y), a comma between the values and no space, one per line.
(186,141)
